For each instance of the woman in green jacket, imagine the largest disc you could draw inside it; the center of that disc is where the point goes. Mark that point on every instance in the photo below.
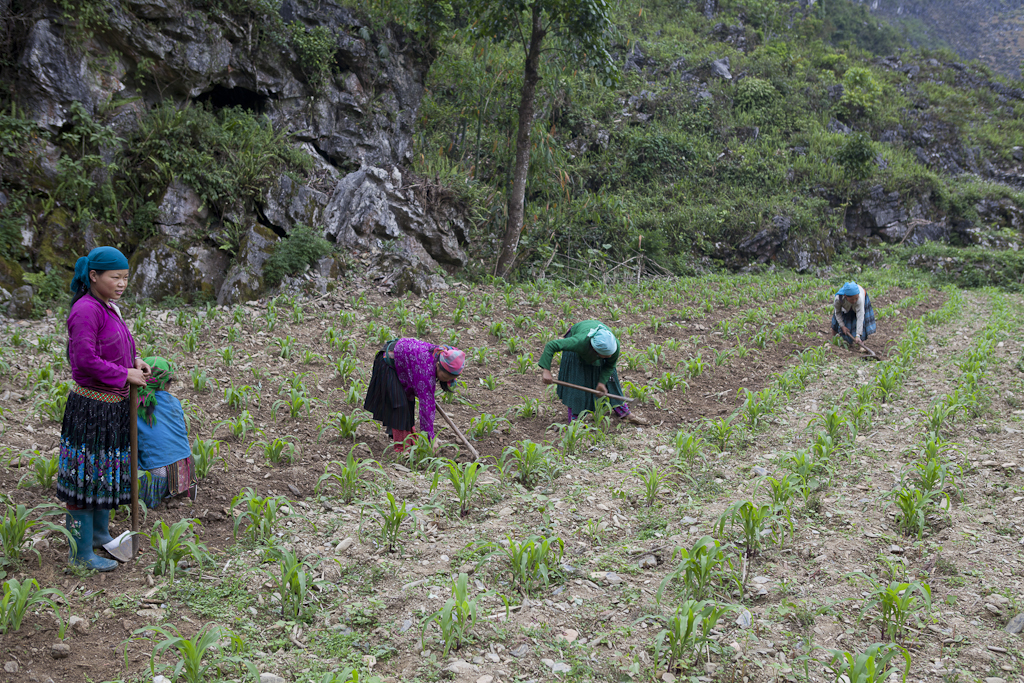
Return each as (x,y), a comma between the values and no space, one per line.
(589,354)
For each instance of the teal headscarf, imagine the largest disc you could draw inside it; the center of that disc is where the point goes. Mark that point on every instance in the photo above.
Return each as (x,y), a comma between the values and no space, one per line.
(604,342)
(100,258)
(849,289)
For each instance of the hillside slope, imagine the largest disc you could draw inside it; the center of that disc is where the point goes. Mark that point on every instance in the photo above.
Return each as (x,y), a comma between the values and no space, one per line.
(740,132)
(990,31)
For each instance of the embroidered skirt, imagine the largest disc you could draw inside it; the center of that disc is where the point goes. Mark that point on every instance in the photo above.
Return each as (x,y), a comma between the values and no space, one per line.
(850,320)
(176,479)
(386,398)
(94,469)
(572,370)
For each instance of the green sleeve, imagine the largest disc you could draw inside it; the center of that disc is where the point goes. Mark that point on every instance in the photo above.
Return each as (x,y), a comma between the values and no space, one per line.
(553,347)
(609,367)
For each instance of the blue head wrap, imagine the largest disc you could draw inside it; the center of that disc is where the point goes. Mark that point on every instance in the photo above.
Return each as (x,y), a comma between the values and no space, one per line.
(849,289)
(100,258)
(604,342)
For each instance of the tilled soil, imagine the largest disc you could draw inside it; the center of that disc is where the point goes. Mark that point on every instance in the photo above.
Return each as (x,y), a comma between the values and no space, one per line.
(589,622)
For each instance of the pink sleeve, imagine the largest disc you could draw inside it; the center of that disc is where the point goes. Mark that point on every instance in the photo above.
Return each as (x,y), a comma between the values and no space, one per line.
(88,368)
(425,386)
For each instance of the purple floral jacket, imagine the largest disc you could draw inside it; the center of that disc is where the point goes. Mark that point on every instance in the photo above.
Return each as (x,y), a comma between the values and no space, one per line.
(100,347)
(414,365)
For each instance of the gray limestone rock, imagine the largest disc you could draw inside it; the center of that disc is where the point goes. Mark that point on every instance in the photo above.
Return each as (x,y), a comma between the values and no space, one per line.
(720,68)
(20,305)
(53,77)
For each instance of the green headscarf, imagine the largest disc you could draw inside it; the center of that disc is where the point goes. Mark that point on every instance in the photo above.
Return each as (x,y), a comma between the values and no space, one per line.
(163,373)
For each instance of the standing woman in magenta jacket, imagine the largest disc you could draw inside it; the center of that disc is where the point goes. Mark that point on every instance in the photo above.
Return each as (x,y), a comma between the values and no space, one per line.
(94,473)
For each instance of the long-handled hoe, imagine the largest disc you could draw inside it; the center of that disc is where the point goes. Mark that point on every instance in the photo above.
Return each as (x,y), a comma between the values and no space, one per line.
(458,433)
(126,546)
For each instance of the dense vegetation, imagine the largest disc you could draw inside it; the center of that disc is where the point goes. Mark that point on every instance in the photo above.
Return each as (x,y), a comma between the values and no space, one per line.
(662,158)
(684,165)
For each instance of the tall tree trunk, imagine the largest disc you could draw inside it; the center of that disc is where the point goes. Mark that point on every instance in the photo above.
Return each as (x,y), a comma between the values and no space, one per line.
(531,76)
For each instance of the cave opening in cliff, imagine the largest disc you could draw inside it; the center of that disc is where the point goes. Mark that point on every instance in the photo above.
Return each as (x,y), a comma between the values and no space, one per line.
(220,97)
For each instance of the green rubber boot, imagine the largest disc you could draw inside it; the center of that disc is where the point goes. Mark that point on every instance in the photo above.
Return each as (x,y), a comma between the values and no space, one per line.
(80,524)
(101,528)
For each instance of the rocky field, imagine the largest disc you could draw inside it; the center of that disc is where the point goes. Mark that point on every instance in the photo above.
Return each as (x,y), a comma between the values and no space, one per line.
(794,511)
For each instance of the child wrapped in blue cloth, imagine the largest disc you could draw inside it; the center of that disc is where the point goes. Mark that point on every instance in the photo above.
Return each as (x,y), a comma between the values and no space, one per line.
(853,318)
(166,467)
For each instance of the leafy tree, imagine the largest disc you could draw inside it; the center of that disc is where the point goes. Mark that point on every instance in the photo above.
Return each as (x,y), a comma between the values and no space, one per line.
(579,29)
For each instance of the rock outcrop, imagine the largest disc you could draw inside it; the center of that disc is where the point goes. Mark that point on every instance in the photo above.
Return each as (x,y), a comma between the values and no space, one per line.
(355,124)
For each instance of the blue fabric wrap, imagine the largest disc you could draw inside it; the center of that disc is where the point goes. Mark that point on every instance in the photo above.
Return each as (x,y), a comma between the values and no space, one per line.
(166,442)
(100,258)
(604,342)
(849,289)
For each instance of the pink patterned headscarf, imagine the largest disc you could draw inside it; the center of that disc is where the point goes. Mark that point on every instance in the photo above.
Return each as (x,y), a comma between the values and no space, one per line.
(451,359)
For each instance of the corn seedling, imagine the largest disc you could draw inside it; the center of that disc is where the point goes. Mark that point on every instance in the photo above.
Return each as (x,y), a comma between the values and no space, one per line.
(756,407)
(296,402)
(489,382)
(757,522)
(533,462)
(16,524)
(21,596)
(293,583)
(669,381)
(285,345)
(688,447)
(260,514)
(687,633)
(695,366)
(482,426)
(204,646)
(870,666)
(523,363)
(534,562)
(391,517)
(345,425)
(171,545)
(896,602)
(652,480)
(496,329)
(464,480)
(812,473)
(641,393)
(227,354)
(52,405)
(529,408)
(913,506)
(190,341)
(887,380)
(238,397)
(43,474)
(206,452)
(355,393)
(655,353)
(781,490)
(350,479)
(276,450)
(721,431)
(635,361)
(832,422)
(421,452)
(200,381)
(456,618)
(701,568)
(239,427)
(574,436)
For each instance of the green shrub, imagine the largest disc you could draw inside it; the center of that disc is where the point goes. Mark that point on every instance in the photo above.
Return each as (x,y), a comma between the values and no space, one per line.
(862,93)
(316,47)
(304,247)
(856,155)
(755,94)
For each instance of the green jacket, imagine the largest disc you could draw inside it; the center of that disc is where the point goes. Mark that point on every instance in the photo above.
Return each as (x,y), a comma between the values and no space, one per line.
(578,342)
